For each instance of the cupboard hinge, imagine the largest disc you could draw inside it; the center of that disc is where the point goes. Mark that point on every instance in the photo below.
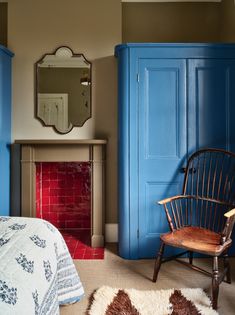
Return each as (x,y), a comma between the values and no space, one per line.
(138,233)
(138,77)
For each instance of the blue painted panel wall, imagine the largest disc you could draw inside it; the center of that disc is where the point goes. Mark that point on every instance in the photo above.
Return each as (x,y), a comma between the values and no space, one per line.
(5,128)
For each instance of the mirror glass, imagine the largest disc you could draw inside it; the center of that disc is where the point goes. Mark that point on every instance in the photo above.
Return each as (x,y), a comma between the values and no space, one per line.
(63,89)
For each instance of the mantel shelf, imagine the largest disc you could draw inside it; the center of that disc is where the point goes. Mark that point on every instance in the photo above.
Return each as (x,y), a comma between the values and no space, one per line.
(80,141)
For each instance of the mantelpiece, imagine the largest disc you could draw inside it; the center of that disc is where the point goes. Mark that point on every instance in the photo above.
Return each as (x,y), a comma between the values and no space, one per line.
(92,151)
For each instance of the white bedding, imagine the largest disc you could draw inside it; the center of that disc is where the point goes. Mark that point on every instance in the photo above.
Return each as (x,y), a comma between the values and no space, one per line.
(37,273)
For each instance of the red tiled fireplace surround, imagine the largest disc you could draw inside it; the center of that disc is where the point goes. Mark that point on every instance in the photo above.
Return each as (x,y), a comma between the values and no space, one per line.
(63,194)
(63,182)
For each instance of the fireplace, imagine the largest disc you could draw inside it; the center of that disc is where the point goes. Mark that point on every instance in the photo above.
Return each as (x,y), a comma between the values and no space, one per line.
(63,182)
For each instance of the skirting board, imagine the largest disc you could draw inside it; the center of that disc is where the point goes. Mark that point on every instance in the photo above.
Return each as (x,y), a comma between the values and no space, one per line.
(111,233)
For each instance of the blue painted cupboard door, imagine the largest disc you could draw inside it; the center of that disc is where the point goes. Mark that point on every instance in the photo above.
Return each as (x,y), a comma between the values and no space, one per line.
(211,106)
(162,144)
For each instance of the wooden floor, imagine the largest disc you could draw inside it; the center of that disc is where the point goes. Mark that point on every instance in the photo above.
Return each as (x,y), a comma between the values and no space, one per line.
(117,272)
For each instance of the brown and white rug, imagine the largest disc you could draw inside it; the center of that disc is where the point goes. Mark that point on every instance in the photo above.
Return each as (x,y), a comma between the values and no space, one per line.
(112,301)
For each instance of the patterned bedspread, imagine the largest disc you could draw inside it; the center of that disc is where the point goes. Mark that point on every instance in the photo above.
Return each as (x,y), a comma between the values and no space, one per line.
(37,273)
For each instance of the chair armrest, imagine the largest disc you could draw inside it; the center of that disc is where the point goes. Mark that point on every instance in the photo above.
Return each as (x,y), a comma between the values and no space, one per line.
(229,224)
(170,199)
(230,213)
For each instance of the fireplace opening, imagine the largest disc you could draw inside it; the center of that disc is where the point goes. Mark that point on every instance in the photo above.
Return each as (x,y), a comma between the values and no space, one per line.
(63,197)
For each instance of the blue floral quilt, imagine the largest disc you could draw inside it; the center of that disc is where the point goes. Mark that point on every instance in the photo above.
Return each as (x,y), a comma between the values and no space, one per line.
(37,273)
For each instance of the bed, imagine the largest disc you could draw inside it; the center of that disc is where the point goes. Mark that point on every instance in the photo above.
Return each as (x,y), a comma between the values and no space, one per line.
(37,273)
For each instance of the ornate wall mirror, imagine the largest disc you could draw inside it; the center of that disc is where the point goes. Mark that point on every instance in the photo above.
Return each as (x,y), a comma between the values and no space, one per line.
(63,89)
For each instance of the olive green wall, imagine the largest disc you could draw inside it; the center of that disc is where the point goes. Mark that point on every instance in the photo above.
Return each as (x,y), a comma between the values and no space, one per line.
(3,23)
(228,21)
(171,22)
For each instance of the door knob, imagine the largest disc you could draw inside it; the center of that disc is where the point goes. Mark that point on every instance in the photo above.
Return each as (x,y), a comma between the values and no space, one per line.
(191,170)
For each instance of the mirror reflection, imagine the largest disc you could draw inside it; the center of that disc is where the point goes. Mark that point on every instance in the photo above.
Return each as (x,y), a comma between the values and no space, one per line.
(63,89)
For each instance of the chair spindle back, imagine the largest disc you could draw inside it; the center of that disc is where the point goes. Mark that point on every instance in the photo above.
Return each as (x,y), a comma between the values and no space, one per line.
(209,177)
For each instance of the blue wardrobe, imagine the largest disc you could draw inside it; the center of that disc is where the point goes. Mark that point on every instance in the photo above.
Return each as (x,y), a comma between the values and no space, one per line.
(5,128)
(173,100)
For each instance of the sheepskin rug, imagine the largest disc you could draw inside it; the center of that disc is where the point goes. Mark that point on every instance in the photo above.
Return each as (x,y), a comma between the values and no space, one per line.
(112,301)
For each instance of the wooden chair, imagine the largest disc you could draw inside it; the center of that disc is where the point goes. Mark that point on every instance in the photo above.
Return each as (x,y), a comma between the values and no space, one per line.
(201,219)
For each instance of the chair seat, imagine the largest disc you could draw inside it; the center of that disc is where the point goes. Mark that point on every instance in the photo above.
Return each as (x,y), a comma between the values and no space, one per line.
(196,239)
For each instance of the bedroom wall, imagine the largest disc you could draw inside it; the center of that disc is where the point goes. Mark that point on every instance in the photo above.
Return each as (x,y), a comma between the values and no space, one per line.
(90,27)
(3,23)
(228,21)
(171,22)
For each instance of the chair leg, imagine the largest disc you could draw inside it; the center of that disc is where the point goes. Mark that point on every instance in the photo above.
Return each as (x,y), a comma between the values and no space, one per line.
(215,283)
(227,265)
(158,262)
(190,257)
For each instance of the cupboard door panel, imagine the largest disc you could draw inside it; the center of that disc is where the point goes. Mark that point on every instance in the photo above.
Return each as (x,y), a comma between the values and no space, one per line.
(210,103)
(162,144)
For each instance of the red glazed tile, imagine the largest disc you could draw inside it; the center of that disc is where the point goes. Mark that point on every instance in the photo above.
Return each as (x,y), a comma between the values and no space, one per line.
(61,224)
(53,216)
(53,175)
(54,200)
(98,256)
(74,241)
(67,238)
(45,176)
(87,257)
(86,224)
(46,192)
(69,200)
(80,250)
(53,184)
(46,216)
(78,256)
(98,250)
(45,200)
(45,208)
(55,208)
(73,224)
(54,192)
(61,184)
(61,200)
(45,167)
(82,246)
(62,216)
(45,184)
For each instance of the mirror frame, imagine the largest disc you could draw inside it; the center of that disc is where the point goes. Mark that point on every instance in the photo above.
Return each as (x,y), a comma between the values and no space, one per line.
(36,88)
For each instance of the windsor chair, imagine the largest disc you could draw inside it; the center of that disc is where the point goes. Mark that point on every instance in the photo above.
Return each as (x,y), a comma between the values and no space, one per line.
(202,218)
